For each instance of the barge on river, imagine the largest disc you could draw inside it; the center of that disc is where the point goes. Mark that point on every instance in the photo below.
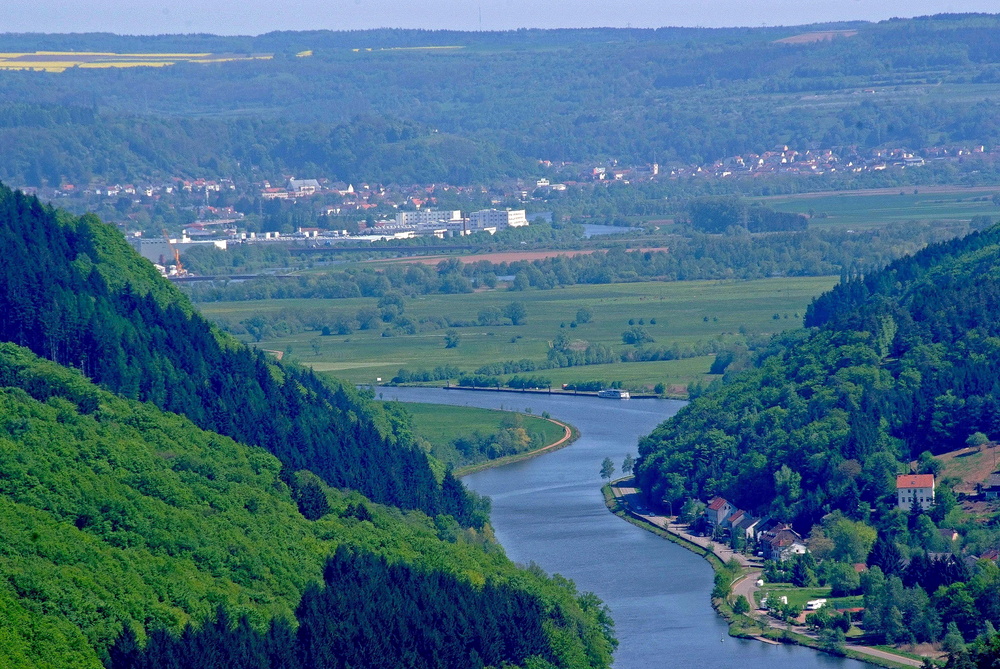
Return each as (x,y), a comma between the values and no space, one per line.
(614,394)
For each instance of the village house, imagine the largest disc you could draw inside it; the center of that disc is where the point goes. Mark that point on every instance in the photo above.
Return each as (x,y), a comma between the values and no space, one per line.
(718,511)
(914,489)
(781,543)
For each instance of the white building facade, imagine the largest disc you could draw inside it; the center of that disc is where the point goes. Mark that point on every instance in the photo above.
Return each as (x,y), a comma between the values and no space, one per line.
(914,488)
(497,218)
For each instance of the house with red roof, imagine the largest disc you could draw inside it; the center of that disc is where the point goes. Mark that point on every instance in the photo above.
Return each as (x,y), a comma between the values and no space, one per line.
(914,489)
(781,543)
(718,511)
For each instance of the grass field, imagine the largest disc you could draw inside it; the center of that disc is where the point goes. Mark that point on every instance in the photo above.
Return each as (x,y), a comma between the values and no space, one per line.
(972,465)
(685,313)
(442,424)
(59,61)
(874,208)
(799,596)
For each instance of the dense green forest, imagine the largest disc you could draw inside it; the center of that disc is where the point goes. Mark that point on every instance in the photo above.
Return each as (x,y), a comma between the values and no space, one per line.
(369,614)
(486,109)
(894,363)
(121,519)
(80,145)
(76,293)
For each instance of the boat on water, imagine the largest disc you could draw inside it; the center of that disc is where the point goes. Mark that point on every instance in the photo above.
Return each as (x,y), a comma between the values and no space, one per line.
(613,394)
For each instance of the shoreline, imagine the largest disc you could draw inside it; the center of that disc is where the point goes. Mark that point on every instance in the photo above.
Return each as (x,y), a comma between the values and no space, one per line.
(570,434)
(740,625)
(551,391)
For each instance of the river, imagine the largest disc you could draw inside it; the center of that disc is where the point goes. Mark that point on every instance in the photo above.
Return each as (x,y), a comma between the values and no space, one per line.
(550,510)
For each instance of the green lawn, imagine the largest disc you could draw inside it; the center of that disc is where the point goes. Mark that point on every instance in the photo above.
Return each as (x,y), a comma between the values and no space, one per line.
(442,424)
(686,313)
(799,596)
(865,209)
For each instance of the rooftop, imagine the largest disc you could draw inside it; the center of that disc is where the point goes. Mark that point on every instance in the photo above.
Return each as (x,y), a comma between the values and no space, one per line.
(906,481)
(717,503)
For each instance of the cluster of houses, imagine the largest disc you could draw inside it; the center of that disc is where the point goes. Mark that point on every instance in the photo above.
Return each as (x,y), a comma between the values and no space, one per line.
(339,198)
(781,160)
(775,541)
(778,541)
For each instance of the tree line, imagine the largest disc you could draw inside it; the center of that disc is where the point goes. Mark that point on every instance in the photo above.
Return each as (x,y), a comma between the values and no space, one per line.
(696,256)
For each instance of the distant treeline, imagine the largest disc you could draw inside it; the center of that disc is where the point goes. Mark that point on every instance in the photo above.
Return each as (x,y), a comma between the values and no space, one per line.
(700,256)
(54,144)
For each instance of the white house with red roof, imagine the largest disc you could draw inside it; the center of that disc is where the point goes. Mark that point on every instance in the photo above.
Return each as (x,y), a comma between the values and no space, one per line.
(914,488)
(718,511)
(781,543)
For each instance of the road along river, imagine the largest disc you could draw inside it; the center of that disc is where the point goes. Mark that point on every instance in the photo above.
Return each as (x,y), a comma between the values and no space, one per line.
(549,510)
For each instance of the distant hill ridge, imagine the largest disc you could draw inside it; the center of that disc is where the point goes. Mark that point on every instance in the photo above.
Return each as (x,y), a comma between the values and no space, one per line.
(374,106)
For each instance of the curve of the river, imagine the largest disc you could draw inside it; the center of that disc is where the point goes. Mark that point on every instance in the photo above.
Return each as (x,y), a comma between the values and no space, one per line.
(549,510)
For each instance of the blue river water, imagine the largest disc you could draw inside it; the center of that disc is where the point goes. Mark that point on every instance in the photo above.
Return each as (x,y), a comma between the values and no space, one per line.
(550,510)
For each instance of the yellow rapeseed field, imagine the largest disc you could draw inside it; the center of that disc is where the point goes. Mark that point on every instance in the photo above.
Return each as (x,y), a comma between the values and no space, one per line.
(60,61)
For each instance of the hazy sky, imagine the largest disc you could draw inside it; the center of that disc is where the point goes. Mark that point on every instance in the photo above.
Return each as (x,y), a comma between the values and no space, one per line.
(231,17)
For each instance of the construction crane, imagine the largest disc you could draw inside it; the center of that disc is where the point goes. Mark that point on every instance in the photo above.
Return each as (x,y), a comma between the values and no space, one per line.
(178,267)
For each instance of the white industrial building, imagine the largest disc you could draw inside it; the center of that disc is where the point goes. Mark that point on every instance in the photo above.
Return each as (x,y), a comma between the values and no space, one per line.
(499,219)
(428,217)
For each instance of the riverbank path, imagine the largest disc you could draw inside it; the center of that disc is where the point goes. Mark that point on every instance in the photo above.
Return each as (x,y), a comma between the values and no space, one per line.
(628,496)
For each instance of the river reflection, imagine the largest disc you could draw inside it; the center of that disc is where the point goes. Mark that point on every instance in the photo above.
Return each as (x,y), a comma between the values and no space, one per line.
(550,510)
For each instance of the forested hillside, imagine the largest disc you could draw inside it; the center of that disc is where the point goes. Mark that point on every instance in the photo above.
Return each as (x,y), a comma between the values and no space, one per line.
(896,363)
(125,526)
(497,102)
(73,291)
(50,144)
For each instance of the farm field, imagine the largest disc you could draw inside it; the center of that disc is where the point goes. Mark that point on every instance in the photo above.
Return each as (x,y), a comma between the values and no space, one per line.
(875,208)
(685,314)
(60,61)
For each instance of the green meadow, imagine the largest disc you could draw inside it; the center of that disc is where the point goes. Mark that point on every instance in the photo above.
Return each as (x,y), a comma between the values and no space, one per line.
(875,208)
(673,313)
(441,424)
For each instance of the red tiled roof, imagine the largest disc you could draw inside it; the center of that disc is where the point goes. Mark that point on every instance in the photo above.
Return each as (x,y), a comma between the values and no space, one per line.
(717,503)
(906,481)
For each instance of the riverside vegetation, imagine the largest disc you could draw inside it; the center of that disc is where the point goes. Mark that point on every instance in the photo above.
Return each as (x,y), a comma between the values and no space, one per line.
(133,535)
